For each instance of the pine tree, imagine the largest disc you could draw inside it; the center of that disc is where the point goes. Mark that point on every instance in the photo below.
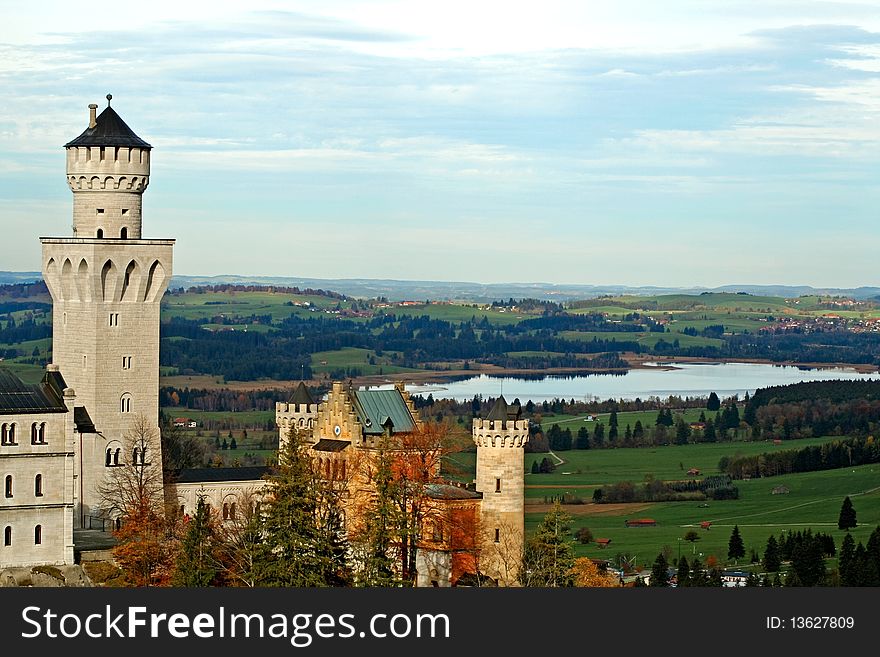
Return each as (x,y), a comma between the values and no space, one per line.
(847,518)
(535,467)
(660,571)
(684,572)
(713,403)
(376,563)
(233,444)
(772,558)
(297,550)
(709,432)
(735,548)
(548,555)
(846,561)
(698,576)
(197,563)
(599,435)
(612,427)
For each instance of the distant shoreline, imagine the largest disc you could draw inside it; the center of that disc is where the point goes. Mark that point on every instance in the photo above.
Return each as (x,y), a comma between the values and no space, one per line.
(427,377)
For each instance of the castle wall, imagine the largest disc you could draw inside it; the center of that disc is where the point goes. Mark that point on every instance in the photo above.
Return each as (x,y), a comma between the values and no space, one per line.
(51,506)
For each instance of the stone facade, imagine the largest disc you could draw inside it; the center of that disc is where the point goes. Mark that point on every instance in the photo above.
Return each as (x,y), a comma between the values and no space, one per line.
(37,495)
(500,478)
(106,285)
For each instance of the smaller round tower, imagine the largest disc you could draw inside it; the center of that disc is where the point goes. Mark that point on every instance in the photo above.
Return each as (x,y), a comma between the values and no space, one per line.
(500,438)
(108,169)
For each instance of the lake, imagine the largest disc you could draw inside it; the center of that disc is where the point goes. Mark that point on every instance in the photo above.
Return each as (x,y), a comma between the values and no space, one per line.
(687,380)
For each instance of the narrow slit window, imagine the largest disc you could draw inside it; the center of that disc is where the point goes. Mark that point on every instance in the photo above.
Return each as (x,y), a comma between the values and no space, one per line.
(497,535)
(38,535)
(8,486)
(7,536)
(497,484)
(38,486)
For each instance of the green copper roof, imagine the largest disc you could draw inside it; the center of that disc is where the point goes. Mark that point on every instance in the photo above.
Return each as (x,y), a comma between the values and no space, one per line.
(375,407)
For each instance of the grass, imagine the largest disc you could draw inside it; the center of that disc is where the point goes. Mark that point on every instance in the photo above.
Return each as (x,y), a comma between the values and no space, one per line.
(645,338)
(814,501)
(458,313)
(242,304)
(324,362)
(647,418)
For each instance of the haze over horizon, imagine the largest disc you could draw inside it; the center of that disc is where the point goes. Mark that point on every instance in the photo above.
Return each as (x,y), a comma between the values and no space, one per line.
(680,145)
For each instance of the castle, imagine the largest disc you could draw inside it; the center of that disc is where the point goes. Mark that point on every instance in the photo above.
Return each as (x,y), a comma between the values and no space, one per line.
(60,439)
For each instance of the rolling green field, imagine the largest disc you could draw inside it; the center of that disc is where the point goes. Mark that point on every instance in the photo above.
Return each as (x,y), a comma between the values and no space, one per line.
(647,418)
(813,501)
(242,304)
(645,338)
(324,362)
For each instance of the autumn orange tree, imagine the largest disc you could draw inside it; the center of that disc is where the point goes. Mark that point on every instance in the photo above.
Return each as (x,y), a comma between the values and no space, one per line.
(132,495)
(586,573)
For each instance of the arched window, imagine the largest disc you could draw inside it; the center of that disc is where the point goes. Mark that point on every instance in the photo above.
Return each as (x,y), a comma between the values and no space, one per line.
(144,456)
(134,456)
(38,535)
(7,536)
(8,486)
(108,459)
(42,433)
(8,437)
(100,233)
(4,434)
(125,403)
(34,433)
(123,233)
(116,455)
(38,486)
(12,433)
(225,511)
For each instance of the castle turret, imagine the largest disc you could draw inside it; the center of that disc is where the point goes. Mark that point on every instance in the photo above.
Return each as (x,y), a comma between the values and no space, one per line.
(108,169)
(106,284)
(298,412)
(500,438)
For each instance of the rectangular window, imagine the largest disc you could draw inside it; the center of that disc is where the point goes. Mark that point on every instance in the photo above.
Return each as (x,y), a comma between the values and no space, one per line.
(126,362)
(99,210)
(124,211)
(497,535)
(114,319)
(497,484)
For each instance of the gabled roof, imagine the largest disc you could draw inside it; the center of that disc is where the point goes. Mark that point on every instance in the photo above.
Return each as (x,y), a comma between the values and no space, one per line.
(301,395)
(375,408)
(501,410)
(330,445)
(17,397)
(110,130)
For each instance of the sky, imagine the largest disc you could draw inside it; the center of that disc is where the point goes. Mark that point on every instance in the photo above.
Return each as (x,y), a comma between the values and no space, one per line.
(635,142)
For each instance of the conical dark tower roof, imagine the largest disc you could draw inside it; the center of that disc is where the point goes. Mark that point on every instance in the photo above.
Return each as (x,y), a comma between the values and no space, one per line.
(501,410)
(110,130)
(301,395)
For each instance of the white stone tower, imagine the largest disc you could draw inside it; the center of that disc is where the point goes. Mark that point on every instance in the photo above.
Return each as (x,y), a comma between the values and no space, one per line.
(500,439)
(107,283)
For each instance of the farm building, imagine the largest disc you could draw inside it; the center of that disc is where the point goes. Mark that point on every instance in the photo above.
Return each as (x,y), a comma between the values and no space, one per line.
(641,522)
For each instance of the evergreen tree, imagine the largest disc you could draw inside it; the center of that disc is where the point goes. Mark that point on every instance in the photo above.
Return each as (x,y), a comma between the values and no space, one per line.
(376,563)
(713,403)
(599,435)
(197,563)
(638,431)
(846,562)
(233,444)
(660,571)
(612,427)
(772,558)
(847,518)
(548,555)
(684,572)
(299,547)
(682,432)
(715,577)
(627,435)
(735,548)
(698,574)
(535,467)
(583,438)
(225,445)
(709,432)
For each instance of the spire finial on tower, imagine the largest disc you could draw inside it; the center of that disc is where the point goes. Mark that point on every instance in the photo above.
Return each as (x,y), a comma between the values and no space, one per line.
(109,98)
